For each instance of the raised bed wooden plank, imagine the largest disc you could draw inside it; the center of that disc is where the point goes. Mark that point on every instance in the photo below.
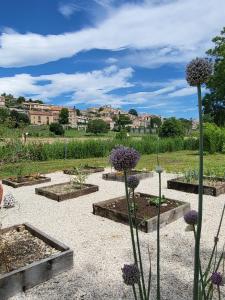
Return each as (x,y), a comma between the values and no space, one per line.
(88,188)
(146,225)
(178,184)
(37,272)
(14,184)
(114,176)
(89,170)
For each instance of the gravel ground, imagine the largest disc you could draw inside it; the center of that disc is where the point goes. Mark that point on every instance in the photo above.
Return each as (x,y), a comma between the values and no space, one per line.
(102,246)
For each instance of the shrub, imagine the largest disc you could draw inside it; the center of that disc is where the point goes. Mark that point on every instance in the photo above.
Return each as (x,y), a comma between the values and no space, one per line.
(171,128)
(56,128)
(214,138)
(97,126)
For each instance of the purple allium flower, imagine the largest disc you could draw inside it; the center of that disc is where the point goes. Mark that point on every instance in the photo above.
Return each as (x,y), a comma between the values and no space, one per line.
(217,278)
(191,217)
(131,274)
(124,158)
(198,71)
(133,182)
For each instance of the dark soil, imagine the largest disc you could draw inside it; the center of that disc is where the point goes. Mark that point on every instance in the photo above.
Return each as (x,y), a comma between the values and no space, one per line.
(144,208)
(25,178)
(20,248)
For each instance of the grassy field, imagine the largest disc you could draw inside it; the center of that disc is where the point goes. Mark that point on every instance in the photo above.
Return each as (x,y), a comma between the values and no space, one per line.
(172,162)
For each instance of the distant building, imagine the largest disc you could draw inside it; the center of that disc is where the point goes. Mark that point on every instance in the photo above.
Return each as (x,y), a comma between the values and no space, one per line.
(2,101)
(40,117)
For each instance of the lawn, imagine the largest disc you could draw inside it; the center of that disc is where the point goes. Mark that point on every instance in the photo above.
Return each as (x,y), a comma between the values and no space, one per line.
(171,161)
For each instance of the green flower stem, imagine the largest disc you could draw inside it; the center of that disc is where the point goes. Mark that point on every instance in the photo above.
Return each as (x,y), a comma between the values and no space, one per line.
(149,275)
(219,295)
(138,246)
(215,245)
(201,274)
(134,292)
(132,231)
(158,240)
(200,200)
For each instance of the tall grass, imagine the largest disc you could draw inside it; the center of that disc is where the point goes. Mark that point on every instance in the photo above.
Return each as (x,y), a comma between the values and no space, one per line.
(16,151)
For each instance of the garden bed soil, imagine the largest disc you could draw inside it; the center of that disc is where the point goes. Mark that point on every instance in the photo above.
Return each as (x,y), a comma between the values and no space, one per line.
(119,176)
(29,257)
(211,187)
(116,209)
(64,191)
(86,170)
(25,181)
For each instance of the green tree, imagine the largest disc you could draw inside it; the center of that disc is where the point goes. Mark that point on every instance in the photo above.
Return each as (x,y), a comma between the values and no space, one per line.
(155,122)
(56,128)
(171,128)
(20,100)
(64,116)
(122,121)
(214,101)
(187,125)
(78,112)
(97,126)
(133,112)
(19,118)
(4,114)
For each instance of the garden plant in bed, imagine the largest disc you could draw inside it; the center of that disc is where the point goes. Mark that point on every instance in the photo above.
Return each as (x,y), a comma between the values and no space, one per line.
(212,185)
(85,169)
(144,208)
(74,188)
(24,177)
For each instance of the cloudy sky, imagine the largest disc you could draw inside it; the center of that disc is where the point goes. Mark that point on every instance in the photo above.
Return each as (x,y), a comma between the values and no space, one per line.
(127,53)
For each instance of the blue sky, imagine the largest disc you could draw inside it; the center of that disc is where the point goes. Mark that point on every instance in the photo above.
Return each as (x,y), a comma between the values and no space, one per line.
(127,53)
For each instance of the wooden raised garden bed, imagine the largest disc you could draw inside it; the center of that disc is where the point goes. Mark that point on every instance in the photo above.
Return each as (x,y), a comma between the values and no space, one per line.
(116,209)
(29,257)
(213,187)
(64,191)
(86,170)
(119,176)
(25,181)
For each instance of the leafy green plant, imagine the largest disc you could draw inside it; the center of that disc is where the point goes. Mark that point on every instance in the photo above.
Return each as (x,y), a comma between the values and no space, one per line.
(78,178)
(156,200)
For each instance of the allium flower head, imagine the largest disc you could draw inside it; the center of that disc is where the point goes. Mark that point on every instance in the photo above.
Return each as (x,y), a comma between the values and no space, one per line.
(217,278)
(191,217)
(124,158)
(133,182)
(198,71)
(131,274)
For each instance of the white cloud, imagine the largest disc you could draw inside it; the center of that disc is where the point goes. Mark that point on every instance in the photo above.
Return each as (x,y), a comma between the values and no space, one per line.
(68,9)
(91,87)
(160,33)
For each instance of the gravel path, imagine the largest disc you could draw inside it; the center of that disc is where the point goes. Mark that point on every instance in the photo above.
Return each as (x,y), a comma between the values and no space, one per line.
(102,246)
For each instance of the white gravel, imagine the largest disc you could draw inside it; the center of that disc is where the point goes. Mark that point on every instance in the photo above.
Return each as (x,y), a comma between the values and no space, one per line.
(102,246)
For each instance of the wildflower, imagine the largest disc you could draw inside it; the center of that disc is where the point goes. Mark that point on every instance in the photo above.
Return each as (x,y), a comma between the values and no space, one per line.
(131,274)
(191,217)
(217,278)
(132,182)
(124,158)
(198,71)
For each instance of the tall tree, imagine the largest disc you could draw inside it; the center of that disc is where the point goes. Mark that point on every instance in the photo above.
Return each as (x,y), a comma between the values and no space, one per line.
(64,116)
(214,101)
(133,112)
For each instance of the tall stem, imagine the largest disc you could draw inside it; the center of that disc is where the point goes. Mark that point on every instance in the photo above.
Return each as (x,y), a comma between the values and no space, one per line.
(138,246)
(200,200)
(132,230)
(158,241)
